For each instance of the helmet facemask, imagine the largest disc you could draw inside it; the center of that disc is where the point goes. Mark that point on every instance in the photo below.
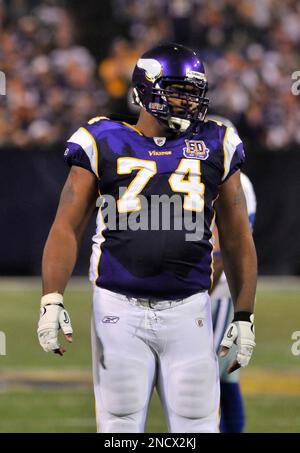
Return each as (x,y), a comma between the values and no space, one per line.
(176,102)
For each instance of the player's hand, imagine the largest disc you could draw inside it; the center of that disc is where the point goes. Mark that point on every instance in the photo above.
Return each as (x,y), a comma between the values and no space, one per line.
(53,317)
(240,332)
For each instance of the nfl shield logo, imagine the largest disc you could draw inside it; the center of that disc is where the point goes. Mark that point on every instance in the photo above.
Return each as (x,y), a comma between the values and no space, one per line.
(195,149)
(159,141)
(199,322)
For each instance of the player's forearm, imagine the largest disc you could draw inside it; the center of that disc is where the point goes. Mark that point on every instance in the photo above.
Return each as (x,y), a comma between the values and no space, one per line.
(240,265)
(59,258)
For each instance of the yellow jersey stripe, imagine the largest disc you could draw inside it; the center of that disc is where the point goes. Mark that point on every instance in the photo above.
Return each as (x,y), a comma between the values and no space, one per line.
(133,127)
(95,149)
(225,152)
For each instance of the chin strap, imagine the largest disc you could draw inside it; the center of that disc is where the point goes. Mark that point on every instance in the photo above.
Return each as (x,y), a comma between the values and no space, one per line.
(178,123)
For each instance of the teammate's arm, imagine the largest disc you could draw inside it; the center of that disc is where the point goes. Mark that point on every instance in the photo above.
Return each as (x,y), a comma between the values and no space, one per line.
(240,266)
(77,202)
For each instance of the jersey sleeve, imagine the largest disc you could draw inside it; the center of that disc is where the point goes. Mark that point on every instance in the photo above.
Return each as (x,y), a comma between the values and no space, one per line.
(234,154)
(82,151)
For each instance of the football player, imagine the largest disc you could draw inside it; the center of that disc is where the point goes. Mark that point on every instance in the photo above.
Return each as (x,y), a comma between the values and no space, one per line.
(151,321)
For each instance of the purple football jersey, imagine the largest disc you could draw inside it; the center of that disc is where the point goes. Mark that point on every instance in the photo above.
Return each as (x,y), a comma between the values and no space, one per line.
(133,170)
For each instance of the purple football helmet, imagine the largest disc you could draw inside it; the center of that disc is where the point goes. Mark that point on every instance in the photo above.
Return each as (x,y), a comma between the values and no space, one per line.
(168,73)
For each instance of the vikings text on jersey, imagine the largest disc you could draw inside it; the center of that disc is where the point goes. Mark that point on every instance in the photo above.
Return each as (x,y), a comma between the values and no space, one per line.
(145,263)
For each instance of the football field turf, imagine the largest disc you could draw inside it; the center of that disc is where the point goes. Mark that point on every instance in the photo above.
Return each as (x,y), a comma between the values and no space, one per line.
(42,392)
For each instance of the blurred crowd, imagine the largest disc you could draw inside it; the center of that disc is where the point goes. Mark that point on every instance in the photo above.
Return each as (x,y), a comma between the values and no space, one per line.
(251,49)
(51,82)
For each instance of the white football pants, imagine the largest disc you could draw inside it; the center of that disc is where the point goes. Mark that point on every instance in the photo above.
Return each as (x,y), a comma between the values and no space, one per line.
(138,344)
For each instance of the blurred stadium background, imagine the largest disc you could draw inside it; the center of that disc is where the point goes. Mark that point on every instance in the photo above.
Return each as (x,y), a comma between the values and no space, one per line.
(67,61)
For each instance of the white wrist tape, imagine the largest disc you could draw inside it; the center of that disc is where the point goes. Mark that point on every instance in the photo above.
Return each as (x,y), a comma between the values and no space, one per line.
(52,299)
